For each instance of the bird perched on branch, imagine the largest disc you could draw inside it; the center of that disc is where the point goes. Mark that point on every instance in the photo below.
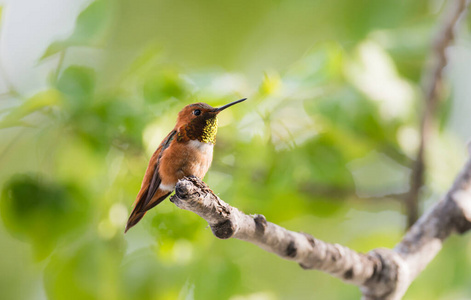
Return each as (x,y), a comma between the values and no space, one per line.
(187,150)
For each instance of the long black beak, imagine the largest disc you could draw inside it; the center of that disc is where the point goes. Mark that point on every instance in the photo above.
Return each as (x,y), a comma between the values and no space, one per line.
(219,109)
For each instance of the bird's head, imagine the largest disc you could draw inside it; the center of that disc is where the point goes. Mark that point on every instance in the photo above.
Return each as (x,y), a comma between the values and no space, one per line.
(201,119)
(200,112)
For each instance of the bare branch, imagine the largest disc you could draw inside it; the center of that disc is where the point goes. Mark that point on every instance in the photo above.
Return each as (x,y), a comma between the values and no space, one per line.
(431,88)
(453,214)
(228,222)
(380,274)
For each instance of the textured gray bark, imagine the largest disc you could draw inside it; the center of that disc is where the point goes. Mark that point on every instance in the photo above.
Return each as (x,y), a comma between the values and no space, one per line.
(380,274)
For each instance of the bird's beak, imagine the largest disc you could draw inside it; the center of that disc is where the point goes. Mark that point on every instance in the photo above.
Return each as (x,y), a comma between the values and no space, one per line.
(219,109)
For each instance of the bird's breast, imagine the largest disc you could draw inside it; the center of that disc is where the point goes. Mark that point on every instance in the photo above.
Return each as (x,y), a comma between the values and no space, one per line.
(202,147)
(203,153)
(185,159)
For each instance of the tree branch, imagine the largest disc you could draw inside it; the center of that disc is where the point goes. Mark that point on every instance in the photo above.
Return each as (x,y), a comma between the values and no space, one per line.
(432,84)
(380,274)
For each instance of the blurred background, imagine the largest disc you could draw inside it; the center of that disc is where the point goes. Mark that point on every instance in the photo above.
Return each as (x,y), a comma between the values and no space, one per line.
(324,144)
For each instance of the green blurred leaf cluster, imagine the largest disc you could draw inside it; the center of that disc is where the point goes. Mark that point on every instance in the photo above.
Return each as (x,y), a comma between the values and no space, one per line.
(42,212)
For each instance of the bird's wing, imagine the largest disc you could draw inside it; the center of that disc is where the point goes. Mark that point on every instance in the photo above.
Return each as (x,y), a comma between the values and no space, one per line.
(151,181)
(150,185)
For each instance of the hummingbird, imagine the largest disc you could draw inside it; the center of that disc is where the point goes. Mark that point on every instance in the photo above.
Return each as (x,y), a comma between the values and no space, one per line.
(187,150)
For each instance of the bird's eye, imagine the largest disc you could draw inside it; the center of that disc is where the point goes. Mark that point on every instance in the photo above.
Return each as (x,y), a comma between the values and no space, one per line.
(197,112)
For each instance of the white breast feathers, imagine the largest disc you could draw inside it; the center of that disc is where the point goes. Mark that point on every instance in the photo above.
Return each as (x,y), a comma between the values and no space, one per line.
(204,148)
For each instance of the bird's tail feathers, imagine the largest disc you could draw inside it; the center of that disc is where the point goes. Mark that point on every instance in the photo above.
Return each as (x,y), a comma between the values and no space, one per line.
(134,218)
(140,210)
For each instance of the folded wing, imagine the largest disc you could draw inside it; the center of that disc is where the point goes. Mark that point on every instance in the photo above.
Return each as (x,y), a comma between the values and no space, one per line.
(149,195)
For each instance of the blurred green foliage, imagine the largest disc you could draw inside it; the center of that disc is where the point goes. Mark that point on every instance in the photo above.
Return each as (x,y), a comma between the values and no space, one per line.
(327,134)
(41,212)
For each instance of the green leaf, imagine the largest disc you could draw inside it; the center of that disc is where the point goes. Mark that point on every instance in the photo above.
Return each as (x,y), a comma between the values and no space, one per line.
(47,98)
(78,84)
(41,212)
(90,29)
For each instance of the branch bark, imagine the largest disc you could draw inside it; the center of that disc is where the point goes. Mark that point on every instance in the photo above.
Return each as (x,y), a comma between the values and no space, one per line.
(380,274)
(432,84)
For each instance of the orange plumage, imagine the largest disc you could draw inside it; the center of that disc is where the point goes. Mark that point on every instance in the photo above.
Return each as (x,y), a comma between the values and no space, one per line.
(187,150)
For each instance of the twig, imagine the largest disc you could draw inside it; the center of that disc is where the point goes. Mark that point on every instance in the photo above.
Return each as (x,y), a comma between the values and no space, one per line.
(341,193)
(380,274)
(59,65)
(431,87)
